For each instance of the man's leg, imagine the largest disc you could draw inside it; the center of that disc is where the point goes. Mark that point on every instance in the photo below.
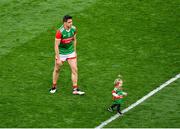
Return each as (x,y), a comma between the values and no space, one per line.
(55,76)
(74,71)
(74,75)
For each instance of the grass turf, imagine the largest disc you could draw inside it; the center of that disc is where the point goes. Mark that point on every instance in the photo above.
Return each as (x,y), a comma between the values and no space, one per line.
(138,39)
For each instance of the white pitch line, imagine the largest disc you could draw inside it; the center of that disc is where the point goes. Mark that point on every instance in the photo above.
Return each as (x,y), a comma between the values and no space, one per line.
(139,101)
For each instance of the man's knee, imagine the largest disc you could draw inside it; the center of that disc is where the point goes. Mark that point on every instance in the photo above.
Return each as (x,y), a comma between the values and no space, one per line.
(74,70)
(58,64)
(57,68)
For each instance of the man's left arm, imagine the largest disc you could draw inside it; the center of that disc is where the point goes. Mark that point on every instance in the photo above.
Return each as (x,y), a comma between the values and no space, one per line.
(75,42)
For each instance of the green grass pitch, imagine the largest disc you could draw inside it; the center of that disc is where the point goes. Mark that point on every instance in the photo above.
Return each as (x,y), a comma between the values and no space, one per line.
(137,38)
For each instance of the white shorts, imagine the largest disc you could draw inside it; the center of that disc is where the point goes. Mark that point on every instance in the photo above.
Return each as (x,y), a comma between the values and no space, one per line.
(67,57)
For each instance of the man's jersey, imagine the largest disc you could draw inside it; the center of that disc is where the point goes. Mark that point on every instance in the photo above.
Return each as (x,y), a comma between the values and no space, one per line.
(118,92)
(66,45)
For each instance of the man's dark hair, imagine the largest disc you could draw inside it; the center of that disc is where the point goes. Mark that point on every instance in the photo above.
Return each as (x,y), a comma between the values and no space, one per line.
(66,17)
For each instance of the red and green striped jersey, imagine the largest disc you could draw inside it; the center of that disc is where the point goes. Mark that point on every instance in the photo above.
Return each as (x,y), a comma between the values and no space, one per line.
(118,92)
(66,45)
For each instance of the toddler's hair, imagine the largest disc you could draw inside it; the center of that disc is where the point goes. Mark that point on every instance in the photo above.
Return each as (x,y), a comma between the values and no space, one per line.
(118,79)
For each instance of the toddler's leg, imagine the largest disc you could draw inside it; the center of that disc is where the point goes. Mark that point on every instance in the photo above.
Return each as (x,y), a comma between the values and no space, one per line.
(118,109)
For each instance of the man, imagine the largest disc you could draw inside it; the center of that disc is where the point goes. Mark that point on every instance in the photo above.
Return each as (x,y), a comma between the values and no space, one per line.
(65,50)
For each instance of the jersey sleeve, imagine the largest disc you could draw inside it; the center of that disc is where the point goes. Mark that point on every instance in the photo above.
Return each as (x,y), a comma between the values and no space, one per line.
(58,34)
(114,90)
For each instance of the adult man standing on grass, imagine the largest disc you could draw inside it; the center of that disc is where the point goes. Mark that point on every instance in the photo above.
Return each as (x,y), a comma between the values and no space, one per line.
(65,50)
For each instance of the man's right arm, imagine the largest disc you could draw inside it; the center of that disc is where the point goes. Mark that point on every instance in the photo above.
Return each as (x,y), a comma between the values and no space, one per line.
(56,45)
